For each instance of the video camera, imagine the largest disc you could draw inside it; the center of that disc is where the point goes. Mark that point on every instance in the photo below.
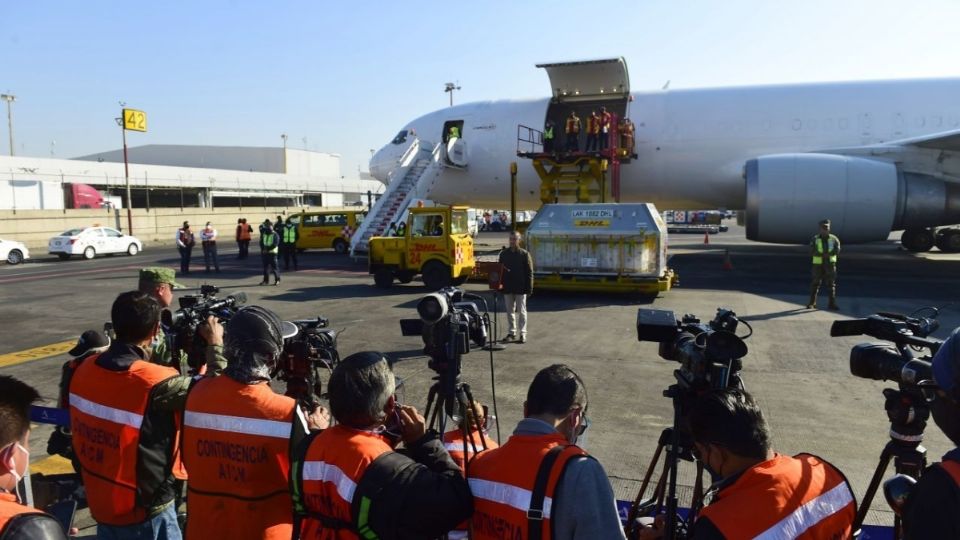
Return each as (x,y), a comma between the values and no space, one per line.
(709,353)
(194,310)
(313,349)
(886,361)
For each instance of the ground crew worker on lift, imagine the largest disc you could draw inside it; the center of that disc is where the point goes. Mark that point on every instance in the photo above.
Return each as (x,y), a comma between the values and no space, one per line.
(454,440)
(159,283)
(824,248)
(19,522)
(593,131)
(269,246)
(125,416)
(453,133)
(572,131)
(288,245)
(541,462)
(244,496)
(548,137)
(759,493)
(416,494)
(627,137)
(606,124)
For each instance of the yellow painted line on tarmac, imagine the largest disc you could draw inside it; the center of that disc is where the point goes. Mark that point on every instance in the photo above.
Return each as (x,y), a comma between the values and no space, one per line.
(36,353)
(52,465)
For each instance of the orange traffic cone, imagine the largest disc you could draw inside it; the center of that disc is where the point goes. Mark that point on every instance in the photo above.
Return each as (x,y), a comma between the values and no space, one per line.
(706,238)
(727,263)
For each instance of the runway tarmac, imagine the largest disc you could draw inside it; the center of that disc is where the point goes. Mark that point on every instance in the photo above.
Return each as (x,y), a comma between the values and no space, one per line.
(799,374)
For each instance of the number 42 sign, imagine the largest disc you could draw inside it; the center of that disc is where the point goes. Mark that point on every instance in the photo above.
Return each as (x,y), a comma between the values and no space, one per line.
(134,120)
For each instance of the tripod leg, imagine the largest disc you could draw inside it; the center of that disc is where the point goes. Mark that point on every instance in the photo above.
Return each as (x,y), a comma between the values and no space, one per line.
(874,484)
(635,507)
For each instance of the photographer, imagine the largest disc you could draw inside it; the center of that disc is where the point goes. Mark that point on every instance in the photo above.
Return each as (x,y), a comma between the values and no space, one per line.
(19,522)
(416,494)
(759,492)
(230,415)
(931,509)
(159,283)
(124,414)
(544,447)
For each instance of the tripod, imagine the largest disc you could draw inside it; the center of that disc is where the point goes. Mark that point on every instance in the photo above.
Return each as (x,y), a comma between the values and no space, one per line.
(664,498)
(442,403)
(908,415)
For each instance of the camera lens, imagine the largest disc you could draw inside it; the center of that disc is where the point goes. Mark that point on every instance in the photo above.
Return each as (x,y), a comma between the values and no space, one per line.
(432,308)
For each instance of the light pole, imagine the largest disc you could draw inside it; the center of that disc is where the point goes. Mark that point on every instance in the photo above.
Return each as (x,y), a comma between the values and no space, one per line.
(9,98)
(284,137)
(449,88)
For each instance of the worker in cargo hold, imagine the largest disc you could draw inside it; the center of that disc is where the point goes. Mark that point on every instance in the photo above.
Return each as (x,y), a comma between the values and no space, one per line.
(593,131)
(627,130)
(517,284)
(548,137)
(824,248)
(606,125)
(573,132)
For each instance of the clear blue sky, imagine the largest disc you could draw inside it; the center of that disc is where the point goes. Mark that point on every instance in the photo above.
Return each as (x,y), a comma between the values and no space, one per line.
(347,76)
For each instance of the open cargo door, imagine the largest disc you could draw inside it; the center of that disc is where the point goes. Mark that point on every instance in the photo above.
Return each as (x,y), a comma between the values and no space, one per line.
(589,80)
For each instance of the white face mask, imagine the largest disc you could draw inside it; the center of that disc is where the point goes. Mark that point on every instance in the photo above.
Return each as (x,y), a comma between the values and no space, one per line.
(13,470)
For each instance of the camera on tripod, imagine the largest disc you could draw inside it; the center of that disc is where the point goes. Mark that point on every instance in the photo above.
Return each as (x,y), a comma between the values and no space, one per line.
(305,356)
(194,310)
(709,353)
(448,325)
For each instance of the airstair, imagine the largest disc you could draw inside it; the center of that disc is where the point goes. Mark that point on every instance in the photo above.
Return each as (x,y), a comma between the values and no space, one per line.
(420,167)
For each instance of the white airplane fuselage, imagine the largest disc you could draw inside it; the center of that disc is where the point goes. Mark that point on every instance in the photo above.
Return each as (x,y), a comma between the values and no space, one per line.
(692,145)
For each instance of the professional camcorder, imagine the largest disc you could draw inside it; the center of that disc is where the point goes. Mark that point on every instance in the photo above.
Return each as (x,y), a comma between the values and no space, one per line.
(194,310)
(709,353)
(312,350)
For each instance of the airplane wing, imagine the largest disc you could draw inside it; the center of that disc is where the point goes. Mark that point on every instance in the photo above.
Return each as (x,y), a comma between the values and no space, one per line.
(945,140)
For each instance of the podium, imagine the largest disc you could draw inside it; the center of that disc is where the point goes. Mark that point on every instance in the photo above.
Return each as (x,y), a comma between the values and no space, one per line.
(495,282)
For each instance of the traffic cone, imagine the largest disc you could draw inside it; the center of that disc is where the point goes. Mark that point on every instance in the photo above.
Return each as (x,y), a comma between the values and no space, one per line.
(706,238)
(727,263)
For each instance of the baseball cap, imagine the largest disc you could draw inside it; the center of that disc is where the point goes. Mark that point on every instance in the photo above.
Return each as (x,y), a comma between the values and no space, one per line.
(158,274)
(89,340)
(946,363)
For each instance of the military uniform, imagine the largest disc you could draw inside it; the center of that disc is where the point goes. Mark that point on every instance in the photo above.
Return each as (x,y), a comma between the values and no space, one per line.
(824,251)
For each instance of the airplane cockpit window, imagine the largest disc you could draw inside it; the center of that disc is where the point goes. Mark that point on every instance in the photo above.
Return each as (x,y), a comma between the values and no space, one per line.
(401,137)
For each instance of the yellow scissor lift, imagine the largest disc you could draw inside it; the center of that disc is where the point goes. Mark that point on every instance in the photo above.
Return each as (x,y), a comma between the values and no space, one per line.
(582,242)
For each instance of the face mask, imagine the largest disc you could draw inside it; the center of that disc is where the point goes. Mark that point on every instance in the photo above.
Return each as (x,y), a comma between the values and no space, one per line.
(13,470)
(391,428)
(714,475)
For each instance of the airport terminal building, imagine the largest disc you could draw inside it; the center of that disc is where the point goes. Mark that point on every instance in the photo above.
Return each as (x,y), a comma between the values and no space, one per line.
(169,176)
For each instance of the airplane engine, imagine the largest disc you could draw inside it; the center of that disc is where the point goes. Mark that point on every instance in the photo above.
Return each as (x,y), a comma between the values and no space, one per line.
(865,199)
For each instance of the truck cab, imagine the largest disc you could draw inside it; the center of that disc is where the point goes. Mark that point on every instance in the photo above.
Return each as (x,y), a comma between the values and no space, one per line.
(434,241)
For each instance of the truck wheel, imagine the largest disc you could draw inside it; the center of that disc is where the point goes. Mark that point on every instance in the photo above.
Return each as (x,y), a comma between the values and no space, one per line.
(948,241)
(340,246)
(436,275)
(405,277)
(383,278)
(89,253)
(458,281)
(917,240)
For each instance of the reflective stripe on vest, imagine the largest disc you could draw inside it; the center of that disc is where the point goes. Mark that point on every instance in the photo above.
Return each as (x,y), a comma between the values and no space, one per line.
(106,415)
(290,234)
(548,133)
(453,442)
(333,466)
(237,449)
(785,497)
(818,249)
(502,482)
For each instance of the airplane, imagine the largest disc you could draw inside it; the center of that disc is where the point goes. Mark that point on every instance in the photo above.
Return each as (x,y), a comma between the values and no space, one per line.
(872,156)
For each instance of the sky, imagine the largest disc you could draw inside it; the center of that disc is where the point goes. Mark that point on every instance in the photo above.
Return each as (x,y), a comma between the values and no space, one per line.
(344,77)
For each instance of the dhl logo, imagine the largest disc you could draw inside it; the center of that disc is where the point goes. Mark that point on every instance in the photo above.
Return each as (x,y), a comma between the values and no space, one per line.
(591,223)
(426,247)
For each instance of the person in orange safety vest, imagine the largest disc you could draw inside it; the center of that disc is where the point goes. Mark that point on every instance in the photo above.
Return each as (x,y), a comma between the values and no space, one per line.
(125,418)
(606,126)
(760,493)
(239,434)
(593,131)
(17,521)
(349,483)
(454,441)
(572,130)
(540,484)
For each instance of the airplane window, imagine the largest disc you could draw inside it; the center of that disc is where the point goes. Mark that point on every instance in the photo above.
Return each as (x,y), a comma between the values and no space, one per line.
(401,137)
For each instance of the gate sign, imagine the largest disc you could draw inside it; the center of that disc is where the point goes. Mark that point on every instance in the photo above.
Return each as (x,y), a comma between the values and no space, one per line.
(134,120)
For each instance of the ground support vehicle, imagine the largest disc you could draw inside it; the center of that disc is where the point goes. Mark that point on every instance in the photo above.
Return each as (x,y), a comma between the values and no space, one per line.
(436,244)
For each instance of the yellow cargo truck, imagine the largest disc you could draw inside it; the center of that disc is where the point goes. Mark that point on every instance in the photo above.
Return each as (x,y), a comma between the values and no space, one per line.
(323,229)
(436,243)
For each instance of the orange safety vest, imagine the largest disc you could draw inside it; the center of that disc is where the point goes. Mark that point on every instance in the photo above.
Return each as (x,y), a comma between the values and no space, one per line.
(573,125)
(453,442)
(952,468)
(106,413)
(10,508)
(605,121)
(243,232)
(503,482)
(593,125)
(237,446)
(333,466)
(786,497)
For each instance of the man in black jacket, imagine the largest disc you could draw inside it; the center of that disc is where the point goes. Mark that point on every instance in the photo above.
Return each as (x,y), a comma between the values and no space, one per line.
(932,508)
(517,284)
(417,493)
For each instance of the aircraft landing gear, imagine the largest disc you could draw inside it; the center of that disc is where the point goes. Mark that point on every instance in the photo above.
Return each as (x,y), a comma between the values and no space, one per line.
(948,240)
(917,240)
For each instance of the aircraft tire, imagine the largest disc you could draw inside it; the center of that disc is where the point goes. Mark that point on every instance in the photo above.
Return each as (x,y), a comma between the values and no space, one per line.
(917,240)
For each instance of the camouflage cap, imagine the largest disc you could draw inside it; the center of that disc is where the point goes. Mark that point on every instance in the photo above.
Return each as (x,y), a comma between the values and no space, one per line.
(158,274)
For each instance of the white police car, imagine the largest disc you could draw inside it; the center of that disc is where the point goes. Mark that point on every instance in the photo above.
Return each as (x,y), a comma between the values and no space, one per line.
(93,241)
